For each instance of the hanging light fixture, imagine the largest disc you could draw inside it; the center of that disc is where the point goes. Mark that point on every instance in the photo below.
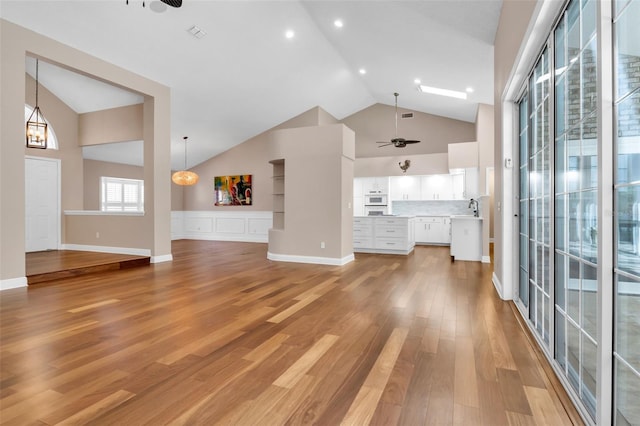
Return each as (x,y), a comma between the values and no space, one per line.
(185,177)
(36,131)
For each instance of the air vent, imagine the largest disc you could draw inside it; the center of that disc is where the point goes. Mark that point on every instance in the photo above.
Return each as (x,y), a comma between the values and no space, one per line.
(407,115)
(197,32)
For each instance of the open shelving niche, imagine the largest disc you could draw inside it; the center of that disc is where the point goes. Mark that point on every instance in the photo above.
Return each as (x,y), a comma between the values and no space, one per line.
(278,193)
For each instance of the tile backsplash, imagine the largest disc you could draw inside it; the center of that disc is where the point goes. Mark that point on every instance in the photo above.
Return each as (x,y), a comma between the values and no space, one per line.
(433,208)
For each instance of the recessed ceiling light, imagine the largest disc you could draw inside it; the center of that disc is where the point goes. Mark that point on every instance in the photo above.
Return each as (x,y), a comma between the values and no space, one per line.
(289,34)
(469,89)
(443,92)
(338,23)
(362,71)
(416,81)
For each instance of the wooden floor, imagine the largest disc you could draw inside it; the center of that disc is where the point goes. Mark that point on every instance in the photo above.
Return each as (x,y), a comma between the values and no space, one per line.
(52,265)
(223,336)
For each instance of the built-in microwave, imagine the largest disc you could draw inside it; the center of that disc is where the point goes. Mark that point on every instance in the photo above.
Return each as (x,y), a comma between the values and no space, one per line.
(375,200)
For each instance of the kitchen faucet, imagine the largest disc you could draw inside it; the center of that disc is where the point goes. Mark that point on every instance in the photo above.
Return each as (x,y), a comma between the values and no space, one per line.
(474,204)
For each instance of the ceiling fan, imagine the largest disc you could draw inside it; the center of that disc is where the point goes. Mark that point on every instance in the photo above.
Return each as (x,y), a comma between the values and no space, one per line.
(398,142)
(172,3)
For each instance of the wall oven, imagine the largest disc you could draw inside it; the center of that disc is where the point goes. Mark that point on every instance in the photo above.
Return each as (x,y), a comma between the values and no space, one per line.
(375,210)
(375,200)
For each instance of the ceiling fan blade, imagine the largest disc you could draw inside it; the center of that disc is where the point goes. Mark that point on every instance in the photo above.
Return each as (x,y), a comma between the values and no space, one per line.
(172,3)
(385,144)
(411,141)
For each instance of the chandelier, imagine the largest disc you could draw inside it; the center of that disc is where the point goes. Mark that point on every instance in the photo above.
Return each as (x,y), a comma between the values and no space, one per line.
(185,177)
(36,131)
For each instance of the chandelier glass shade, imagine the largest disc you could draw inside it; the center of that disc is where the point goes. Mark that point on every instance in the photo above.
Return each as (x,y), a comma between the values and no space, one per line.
(36,128)
(184,177)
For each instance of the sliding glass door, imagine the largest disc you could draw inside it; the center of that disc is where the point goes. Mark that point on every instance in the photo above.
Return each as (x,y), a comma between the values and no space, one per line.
(627,207)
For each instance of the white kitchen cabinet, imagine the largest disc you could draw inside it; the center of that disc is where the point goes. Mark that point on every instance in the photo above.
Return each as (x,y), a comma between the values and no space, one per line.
(389,235)
(358,206)
(432,230)
(437,187)
(457,186)
(375,185)
(471,189)
(466,238)
(358,190)
(404,188)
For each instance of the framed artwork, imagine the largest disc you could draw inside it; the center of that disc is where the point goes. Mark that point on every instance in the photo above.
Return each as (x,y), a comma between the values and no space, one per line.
(232,190)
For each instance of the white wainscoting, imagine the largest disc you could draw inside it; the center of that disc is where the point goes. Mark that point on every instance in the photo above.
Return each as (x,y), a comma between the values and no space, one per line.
(235,225)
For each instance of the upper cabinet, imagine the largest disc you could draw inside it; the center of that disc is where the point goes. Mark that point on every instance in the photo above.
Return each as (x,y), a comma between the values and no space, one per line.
(375,185)
(405,188)
(471,189)
(437,187)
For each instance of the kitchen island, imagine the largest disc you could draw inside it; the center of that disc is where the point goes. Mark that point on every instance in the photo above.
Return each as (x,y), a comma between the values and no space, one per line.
(383,234)
(466,238)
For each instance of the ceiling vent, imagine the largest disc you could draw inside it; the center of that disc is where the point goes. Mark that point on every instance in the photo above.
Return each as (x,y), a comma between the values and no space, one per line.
(407,115)
(197,32)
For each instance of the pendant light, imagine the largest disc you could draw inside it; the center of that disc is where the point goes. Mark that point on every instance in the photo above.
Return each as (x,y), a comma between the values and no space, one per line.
(185,177)
(36,131)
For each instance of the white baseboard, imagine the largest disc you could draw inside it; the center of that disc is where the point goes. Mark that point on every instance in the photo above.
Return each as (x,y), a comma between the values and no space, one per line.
(486,259)
(311,259)
(10,283)
(162,258)
(105,249)
(498,285)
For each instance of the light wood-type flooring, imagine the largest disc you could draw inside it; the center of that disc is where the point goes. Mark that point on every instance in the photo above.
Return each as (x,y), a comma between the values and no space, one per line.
(223,336)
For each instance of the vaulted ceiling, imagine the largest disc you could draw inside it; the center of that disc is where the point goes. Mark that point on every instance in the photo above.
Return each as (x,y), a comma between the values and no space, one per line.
(245,76)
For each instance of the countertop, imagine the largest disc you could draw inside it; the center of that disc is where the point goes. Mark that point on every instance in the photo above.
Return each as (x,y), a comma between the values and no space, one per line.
(465,217)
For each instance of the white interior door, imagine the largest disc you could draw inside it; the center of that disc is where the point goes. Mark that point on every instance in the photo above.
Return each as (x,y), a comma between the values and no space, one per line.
(42,204)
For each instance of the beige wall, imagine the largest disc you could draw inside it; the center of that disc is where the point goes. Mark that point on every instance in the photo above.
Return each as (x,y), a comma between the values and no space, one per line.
(94,170)
(318,164)
(377,123)
(64,121)
(250,157)
(107,231)
(122,124)
(426,164)
(514,21)
(15,43)
(485,136)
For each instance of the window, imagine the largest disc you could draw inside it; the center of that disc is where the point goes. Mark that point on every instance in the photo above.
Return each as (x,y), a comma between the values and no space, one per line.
(52,141)
(121,195)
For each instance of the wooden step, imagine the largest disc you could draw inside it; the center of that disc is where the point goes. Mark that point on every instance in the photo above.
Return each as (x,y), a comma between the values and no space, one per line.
(55,265)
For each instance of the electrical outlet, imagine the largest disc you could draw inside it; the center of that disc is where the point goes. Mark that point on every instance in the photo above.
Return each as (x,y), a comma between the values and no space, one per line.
(97,235)
(321,244)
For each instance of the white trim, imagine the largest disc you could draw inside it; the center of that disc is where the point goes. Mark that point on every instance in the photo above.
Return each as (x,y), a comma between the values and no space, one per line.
(491,240)
(486,259)
(10,283)
(106,249)
(387,251)
(498,285)
(162,258)
(311,259)
(232,225)
(100,213)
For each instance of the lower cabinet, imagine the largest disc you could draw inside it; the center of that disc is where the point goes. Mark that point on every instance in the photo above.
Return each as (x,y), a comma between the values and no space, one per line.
(433,230)
(390,235)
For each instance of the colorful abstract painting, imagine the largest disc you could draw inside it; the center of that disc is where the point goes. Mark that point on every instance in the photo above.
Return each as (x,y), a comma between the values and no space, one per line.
(232,190)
